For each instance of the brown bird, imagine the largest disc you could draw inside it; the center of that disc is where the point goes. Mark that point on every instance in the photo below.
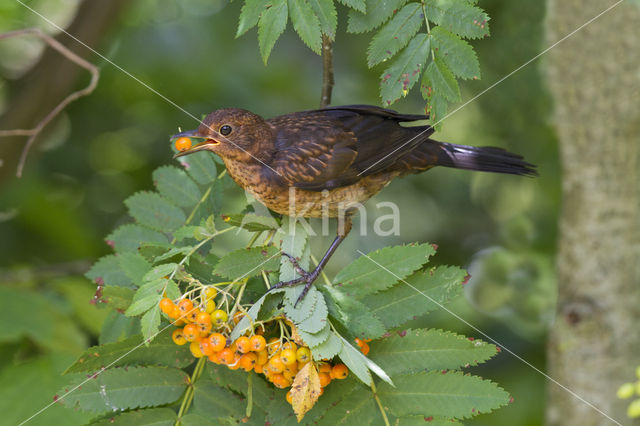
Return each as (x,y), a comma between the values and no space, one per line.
(328,161)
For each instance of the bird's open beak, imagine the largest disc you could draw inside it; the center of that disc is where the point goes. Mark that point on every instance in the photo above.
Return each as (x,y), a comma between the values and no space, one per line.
(197,147)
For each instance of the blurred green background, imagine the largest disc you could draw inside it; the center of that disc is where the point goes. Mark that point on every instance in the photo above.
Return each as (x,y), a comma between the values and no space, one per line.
(103,148)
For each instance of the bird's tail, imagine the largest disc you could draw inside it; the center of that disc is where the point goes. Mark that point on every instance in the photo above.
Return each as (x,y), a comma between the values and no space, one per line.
(482,158)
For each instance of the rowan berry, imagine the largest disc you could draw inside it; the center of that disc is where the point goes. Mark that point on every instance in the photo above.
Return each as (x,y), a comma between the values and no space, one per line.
(263,357)
(214,358)
(275,364)
(205,347)
(280,381)
(178,337)
(289,397)
(248,361)
(324,368)
(219,317)
(339,371)
(257,343)
(258,368)
(193,313)
(210,293)
(288,356)
(202,318)
(194,347)
(185,306)
(243,344)
(290,345)
(166,305)
(204,329)
(226,356)
(303,355)
(360,342)
(365,349)
(191,332)
(274,345)
(237,317)
(325,379)
(174,313)
(210,306)
(218,342)
(183,143)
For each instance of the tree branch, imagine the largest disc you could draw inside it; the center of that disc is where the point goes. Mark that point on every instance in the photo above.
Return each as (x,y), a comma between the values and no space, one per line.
(34,132)
(327,71)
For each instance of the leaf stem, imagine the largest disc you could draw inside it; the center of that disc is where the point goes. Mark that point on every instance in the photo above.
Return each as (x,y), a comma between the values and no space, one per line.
(188,396)
(249,394)
(426,21)
(375,396)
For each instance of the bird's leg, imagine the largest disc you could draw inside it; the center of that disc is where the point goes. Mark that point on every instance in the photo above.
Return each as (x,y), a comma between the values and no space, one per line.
(309,277)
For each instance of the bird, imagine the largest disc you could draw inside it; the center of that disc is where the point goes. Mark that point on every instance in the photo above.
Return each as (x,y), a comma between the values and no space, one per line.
(329,161)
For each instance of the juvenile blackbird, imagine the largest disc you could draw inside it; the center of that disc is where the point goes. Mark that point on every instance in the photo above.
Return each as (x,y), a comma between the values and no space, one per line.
(328,161)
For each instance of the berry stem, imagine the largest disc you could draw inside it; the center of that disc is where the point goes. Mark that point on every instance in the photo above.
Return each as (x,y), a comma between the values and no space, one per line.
(188,395)
(375,396)
(249,394)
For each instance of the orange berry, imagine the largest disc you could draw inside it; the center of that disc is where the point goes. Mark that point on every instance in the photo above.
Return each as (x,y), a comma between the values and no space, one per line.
(303,355)
(289,397)
(166,305)
(178,337)
(183,143)
(193,314)
(258,368)
(205,347)
(194,347)
(275,364)
(359,342)
(365,349)
(274,345)
(290,345)
(280,381)
(219,317)
(185,306)
(288,356)
(257,343)
(263,357)
(213,357)
(226,356)
(175,313)
(236,361)
(202,318)
(248,361)
(217,341)
(325,379)
(339,371)
(324,368)
(191,332)
(204,328)
(243,345)
(237,317)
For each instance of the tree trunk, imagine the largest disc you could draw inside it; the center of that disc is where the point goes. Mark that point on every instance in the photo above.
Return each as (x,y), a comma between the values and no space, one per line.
(594,77)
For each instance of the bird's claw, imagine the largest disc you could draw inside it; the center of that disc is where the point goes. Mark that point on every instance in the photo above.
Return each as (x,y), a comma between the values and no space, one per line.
(305,277)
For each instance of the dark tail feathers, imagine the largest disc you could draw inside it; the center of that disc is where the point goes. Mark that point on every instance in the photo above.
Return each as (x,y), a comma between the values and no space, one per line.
(482,158)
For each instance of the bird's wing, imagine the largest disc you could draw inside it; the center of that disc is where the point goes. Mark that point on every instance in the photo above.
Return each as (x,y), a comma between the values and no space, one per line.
(337,146)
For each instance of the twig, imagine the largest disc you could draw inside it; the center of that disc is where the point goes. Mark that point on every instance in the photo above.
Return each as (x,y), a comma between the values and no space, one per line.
(34,132)
(327,71)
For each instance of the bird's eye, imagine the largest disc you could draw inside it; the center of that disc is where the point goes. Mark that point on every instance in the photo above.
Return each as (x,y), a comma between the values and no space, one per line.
(225,130)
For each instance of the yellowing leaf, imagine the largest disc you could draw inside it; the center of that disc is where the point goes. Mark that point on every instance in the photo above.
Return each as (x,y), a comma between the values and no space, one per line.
(305,390)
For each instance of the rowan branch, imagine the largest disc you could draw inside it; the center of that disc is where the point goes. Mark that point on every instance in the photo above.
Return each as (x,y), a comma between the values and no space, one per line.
(327,71)
(64,51)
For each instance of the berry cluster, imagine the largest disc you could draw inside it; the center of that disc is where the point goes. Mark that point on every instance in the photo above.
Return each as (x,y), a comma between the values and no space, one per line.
(207,330)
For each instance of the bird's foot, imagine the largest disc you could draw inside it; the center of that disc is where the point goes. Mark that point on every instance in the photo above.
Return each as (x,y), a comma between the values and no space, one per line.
(305,277)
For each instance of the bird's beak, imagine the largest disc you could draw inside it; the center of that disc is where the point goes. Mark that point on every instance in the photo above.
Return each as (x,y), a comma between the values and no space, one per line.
(197,147)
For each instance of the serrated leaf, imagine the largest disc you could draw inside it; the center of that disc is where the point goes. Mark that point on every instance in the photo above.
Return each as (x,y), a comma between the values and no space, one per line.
(327,349)
(400,77)
(354,408)
(358,5)
(252,314)
(117,327)
(318,318)
(456,53)
(201,167)
(403,302)
(175,251)
(380,269)
(437,104)
(150,416)
(251,222)
(249,15)
(306,24)
(245,263)
(443,81)
(132,351)
(150,322)
(294,243)
(433,421)
(420,350)
(453,394)
(378,12)
(134,266)
(189,231)
(352,358)
(272,23)
(213,402)
(315,339)
(395,34)
(325,10)
(147,295)
(305,390)
(107,271)
(356,355)
(127,388)
(160,271)
(154,211)
(176,186)
(356,316)
(131,236)
(459,16)
(304,309)
(117,297)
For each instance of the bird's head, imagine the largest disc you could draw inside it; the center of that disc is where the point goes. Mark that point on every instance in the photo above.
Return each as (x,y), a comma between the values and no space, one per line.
(231,133)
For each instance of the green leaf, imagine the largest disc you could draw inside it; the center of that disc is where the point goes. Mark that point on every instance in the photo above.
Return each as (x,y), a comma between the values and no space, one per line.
(252,314)
(325,10)
(306,24)
(117,297)
(152,210)
(294,243)
(453,394)
(272,23)
(245,263)
(250,15)
(127,388)
(315,339)
(201,167)
(379,11)
(132,351)
(150,416)
(318,318)
(327,349)
(400,77)
(149,323)
(433,421)
(134,266)
(437,104)
(107,271)
(131,236)
(355,408)
(459,16)
(176,186)
(118,327)
(456,53)
(213,402)
(305,308)
(160,271)
(382,268)
(403,303)
(395,34)
(358,5)
(175,251)
(353,359)
(188,231)
(443,81)
(251,222)
(356,316)
(420,350)
(148,295)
